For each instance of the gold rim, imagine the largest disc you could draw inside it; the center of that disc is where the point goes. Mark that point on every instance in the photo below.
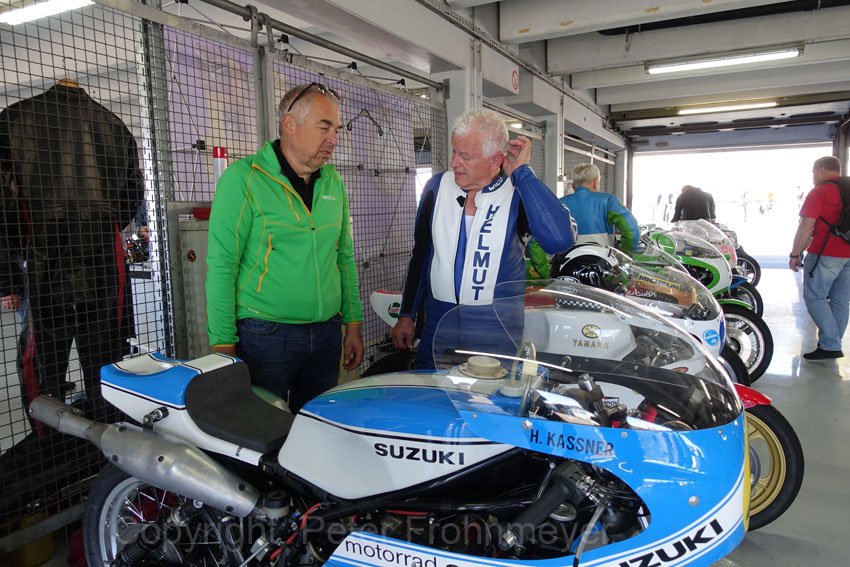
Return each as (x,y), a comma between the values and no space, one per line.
(765,444)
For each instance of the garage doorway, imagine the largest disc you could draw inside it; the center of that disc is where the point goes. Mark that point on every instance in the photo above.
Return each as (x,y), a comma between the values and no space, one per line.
(757,192)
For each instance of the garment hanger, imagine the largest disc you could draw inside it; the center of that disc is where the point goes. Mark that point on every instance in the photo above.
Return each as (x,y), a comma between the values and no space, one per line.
(364,112)
(66,82)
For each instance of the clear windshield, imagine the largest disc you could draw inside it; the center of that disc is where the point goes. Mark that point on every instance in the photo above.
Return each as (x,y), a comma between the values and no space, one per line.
(680,243)
(570,352)
(666,290)
(712,235)
(649,255)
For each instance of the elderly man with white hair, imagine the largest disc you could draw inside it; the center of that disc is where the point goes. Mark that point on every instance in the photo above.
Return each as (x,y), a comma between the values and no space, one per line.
(472,226)
(598,213)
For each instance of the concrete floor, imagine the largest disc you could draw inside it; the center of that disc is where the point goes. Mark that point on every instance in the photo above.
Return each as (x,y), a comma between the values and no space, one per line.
(815,398)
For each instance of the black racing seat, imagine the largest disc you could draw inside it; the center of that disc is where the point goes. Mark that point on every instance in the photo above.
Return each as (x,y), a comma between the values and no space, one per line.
(222,404)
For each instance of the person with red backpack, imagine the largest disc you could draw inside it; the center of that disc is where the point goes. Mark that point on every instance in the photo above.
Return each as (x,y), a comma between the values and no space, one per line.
(826,280)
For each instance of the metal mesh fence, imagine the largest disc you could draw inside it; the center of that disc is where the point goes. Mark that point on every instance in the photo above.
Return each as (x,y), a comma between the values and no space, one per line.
(80,179)
(76,186)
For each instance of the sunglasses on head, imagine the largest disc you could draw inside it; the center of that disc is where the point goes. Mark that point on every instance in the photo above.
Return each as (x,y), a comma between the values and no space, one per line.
(327,91)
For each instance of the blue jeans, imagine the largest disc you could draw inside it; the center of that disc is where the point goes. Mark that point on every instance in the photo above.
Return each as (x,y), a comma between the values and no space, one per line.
(299,360)
(827,296)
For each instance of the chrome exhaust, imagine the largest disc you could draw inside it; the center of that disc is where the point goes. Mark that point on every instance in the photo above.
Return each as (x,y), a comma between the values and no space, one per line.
(159,459)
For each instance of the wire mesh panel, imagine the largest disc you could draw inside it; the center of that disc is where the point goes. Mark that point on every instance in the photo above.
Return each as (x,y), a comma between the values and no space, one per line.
(212,104)
(110,120)
(80,282)
(389,147)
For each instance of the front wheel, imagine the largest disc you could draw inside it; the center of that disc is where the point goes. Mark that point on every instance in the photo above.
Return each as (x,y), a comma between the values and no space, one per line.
(749,336)
(750,268)
(747,293)
(125,522)
(776,464)
(733,364)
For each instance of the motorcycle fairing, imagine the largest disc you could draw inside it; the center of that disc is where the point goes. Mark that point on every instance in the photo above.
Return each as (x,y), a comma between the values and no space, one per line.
(716,531)
(387,433)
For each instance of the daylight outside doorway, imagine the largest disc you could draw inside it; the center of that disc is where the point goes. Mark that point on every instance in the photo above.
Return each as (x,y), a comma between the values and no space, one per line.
(757,192)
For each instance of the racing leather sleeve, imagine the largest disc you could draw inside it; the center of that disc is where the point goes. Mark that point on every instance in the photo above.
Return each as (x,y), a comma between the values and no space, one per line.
(13,221)
(549,221)
(620,217)
(414,282)
(352,310)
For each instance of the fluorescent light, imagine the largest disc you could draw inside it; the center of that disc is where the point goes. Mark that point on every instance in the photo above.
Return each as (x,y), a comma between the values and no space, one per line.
(41,10)
(724,61)
(516,125)
(726,108)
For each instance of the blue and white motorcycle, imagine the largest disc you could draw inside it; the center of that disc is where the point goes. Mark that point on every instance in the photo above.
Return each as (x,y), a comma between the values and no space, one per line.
(631,450)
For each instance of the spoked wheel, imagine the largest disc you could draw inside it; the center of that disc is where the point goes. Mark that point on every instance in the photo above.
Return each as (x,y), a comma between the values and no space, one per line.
(125,524)
(747,293)
(749,336)
(750,268)
(733,364)
(776,464)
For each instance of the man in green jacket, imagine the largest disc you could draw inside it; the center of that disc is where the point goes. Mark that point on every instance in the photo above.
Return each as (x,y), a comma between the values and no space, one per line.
(281,276)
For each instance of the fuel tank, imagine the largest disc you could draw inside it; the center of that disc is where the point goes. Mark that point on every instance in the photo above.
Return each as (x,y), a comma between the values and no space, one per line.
(382,434)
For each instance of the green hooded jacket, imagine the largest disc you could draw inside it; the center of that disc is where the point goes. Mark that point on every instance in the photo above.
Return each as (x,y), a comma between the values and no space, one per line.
(270,258)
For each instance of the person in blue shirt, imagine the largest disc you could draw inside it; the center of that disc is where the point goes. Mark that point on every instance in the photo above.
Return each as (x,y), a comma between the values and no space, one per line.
(597,214)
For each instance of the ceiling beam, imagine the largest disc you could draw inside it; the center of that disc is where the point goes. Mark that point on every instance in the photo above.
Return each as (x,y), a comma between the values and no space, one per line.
(778,93)
(814,53)
(522,20)
(596,51)
(725,86)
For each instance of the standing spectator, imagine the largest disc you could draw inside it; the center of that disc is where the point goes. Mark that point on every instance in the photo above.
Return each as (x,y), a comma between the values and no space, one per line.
(826,281)
(597,214)
(471,229)
(694,204)
(281,278)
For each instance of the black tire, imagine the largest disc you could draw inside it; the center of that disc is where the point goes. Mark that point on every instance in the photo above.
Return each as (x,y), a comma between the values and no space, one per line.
(750,267)
(398,361)
(747,293)
(749,336)
(776,464)
(734,365)
(120,507)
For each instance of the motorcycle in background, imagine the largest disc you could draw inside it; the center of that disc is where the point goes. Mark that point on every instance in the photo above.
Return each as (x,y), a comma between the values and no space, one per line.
(746,332)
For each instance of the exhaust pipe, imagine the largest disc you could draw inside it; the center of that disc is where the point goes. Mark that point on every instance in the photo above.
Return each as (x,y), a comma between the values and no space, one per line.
(159,459)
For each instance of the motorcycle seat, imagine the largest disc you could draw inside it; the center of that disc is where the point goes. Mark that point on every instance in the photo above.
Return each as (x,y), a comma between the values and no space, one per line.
(222,404)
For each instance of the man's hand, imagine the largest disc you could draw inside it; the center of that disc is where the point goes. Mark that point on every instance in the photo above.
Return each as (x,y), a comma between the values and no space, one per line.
(519,152)
(795,263)
(352,347)
(225,349)
(11,301)
(402,333)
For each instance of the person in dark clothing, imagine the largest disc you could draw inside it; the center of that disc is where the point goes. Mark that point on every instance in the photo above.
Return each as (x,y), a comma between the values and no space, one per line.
(69,181)
(694,204)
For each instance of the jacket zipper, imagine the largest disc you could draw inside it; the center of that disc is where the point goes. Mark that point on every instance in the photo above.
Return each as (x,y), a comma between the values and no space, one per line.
(266,261)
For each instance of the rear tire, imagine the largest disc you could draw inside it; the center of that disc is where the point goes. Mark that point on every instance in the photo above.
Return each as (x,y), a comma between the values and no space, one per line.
(749,336)
(119,510)
(776,464)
